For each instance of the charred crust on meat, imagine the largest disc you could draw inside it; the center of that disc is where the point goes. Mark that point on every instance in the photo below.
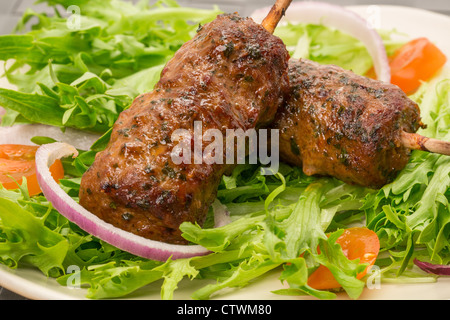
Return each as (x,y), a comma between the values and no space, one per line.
(232,74)
(344,125)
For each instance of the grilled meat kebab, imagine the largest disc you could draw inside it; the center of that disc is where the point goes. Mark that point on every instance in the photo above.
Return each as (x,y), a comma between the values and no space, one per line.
(336,123)
(231,75)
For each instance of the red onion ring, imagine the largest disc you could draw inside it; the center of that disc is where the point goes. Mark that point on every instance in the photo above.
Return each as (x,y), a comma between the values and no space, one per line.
(342,19)
(61,201)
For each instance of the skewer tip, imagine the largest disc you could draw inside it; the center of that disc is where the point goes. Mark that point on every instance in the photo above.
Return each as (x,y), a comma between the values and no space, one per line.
(275,14)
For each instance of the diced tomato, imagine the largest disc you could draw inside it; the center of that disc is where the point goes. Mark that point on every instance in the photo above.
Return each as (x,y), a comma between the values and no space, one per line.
(357,243)
(418,60)
(17,161)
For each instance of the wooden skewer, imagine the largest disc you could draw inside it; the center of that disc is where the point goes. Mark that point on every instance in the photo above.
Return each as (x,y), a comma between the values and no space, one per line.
(415,141)
(275,14)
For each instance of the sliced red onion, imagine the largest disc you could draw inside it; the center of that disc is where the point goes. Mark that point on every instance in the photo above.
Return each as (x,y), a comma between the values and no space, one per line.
(61,201)
(344,20)
(437,269)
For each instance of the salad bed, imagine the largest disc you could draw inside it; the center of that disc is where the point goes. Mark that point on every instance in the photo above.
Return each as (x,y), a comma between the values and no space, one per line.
(287,222)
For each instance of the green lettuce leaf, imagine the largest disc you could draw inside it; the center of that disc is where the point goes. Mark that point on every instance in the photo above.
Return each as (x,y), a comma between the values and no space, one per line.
(84,77)
(411,215)
(25,238)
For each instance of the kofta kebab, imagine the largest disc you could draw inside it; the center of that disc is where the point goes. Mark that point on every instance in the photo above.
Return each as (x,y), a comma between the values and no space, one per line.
(231,75)
(234,74)
(340,124)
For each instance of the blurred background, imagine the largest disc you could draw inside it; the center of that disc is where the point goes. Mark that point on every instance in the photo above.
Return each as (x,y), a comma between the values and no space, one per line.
(11,10)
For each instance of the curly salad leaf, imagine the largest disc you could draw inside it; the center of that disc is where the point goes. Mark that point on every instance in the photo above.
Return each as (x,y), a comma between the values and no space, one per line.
(84,76)
(411,215)
(287,223)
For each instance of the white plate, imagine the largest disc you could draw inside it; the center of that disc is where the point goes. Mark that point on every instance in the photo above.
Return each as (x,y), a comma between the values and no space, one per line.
(414,22)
